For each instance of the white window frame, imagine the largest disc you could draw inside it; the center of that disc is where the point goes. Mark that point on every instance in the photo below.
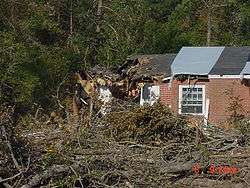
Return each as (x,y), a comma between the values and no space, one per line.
(203,98)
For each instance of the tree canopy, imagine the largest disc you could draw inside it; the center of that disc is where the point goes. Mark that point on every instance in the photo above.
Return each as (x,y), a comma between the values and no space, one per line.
(43,41)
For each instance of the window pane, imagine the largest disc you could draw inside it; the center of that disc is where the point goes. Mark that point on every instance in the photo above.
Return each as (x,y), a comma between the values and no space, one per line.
(192,100)
(200,96)
(187,109)
(195,97)
(198,109)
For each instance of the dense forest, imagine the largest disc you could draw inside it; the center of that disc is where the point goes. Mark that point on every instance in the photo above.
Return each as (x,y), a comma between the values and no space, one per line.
(43,41)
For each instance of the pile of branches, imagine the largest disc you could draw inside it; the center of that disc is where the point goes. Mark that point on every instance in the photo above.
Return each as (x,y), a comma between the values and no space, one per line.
(130,147)
(148,123)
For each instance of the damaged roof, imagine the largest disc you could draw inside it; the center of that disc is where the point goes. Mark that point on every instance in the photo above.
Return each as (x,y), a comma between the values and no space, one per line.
(211,61)
(153,65)
(191,61)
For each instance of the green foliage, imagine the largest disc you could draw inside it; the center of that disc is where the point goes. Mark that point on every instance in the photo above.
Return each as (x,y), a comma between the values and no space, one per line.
(37,48)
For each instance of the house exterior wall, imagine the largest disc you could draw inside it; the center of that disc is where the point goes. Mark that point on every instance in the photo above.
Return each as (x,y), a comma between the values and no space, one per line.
(166,95)
(220,101)
(215,91)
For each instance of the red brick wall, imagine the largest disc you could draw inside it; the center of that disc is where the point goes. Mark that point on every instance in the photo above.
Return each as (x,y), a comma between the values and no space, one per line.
(215,91)
(219,100)
(165,94)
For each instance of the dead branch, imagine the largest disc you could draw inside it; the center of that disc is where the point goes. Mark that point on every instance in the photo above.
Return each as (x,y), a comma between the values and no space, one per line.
(80,179)
(10,178)
(51,172)
(10,148)
(6,185)
(57,96)
(97,152)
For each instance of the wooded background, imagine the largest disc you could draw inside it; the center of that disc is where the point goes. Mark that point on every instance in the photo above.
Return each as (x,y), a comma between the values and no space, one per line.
(43,41)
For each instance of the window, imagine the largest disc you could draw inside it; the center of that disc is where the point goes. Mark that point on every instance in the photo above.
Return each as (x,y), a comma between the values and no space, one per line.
(191,99)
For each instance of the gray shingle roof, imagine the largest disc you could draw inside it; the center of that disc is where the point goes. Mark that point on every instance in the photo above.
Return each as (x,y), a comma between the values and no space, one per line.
(211,60)
(232,61)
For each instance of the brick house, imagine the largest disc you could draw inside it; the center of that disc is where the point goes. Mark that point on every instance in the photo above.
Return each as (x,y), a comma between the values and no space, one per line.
(204,81)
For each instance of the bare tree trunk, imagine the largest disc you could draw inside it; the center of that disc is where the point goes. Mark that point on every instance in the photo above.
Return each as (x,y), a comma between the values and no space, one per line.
(75,115)
(98,30)
(209,27)
(58,13)
(12,13)
(75,107)
(211,7)
(99,13)
(71,18)
(90,111)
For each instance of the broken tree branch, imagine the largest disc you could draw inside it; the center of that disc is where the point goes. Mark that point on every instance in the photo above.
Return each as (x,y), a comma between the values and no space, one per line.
(10,148)
(10,178)
(51,172)
(6,185)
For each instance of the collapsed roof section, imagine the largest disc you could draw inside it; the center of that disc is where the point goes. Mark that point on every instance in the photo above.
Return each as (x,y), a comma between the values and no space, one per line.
(149,65)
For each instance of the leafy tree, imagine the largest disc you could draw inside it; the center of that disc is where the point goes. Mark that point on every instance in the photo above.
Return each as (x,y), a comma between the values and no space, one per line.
(42,41)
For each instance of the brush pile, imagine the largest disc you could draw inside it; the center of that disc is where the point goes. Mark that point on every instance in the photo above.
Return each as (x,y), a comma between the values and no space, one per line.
(129,147)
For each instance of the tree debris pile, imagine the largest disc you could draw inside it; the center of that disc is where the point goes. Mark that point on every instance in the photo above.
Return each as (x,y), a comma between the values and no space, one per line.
(130,147)
(148,123)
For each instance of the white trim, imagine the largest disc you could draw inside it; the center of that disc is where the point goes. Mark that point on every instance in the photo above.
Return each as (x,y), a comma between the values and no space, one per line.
(167,78)
(229,76)
(246,76)
(203,98)
(206,112)
(141,98)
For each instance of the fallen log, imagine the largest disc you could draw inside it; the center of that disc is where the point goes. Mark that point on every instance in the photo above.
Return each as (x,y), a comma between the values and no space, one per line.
(5,185)
(178,168)
(51,172)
